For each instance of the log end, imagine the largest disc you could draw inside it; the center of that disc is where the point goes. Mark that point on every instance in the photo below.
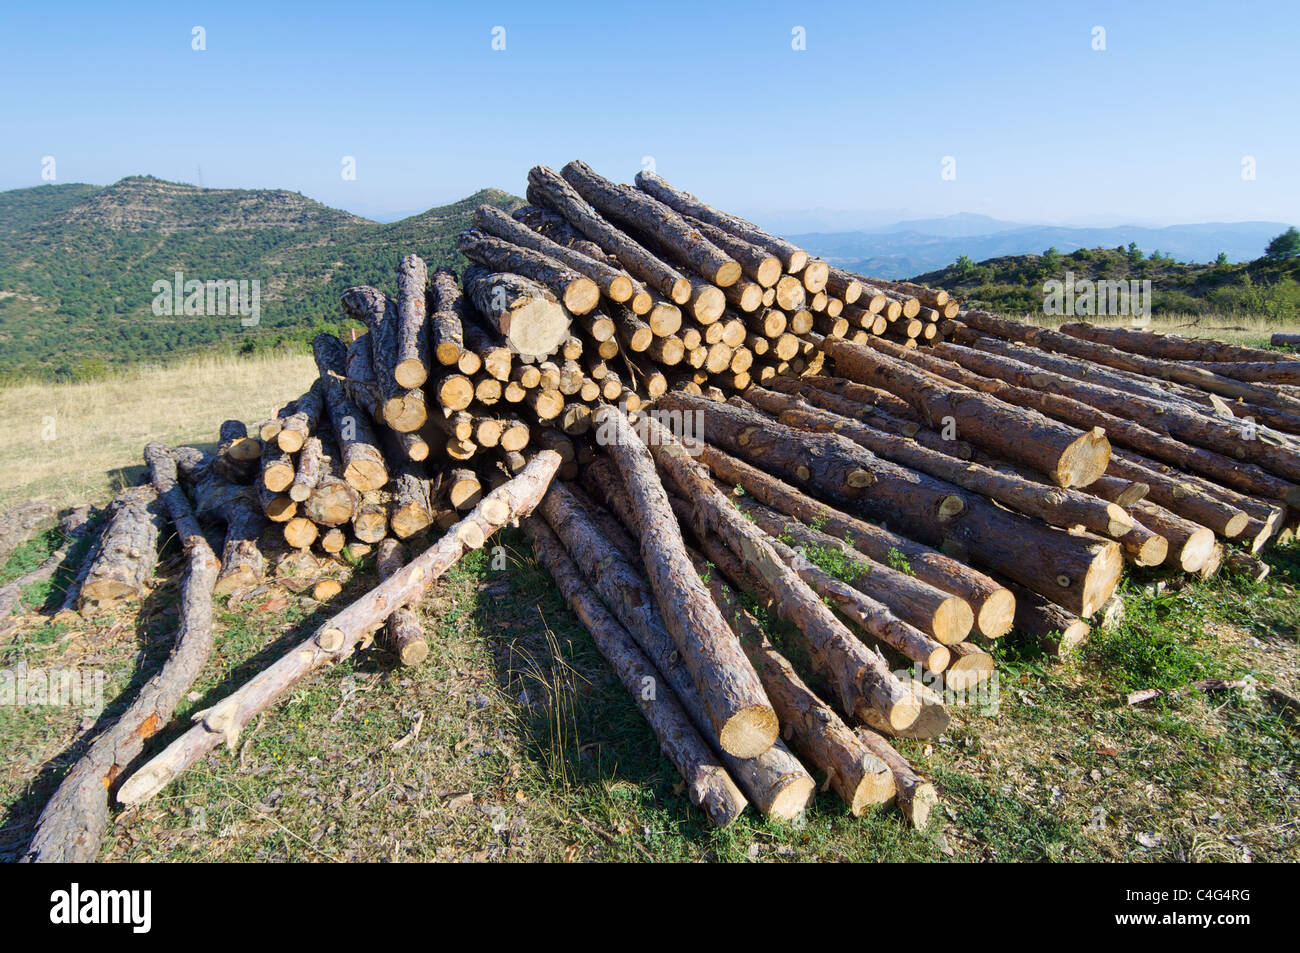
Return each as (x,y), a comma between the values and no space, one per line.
(365,475)
(876,787)
(1194,552)
(1084,460)
(411,373)
(793,798)
(413,653)
(768,271)
(815,275)
(641,302)
(952,620)
(581,296)
(1103,574)
(1236,525)
(924,799)
(728,274)
(997,614)
(968,671)
(1153,552)
(1119,522)
(749,732)
(903,712)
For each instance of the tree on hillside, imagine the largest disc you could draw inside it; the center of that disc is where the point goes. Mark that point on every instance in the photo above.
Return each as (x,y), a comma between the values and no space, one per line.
(1284,246)
(1222,259)
(964,266)
(1051,259)
(1134,253)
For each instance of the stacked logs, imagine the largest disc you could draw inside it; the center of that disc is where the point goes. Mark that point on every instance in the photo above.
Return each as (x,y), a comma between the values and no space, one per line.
(751,442)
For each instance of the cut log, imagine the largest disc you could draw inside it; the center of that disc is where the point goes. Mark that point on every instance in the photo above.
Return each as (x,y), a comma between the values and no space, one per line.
(300,532)
(362,460)
(578,293)
(332,501)
(339,636)
(792,258)
(1281,339)
(242,563)
(757,264)
(370,520)
(309,471)
(1190,544)
(527,315)
(547,187)
(403,408)
(1171,347)
(862,680)
(123,564)
(739,714)
(447,309)
(1077,572)
(411,362)
(648,215)
(411,510)
(708,784)
(1068,457)
(993,605)
(277,468)
(916,796)
(302,423)
(402,633)
(74,819)
(1256,372)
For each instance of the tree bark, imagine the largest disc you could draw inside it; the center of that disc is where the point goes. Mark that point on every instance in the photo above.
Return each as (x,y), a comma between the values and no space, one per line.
(363,463)
(128,550)
(1169,347)
(403,635)
(527,315)
(411,358)
(448,307)
(916,796)
(578,293)
(309,471)
(338,637)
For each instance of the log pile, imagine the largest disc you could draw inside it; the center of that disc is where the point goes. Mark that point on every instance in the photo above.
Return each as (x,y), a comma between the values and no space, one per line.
(740,432)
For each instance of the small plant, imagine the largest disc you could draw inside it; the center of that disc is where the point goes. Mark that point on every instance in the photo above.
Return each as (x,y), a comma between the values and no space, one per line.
(896,560)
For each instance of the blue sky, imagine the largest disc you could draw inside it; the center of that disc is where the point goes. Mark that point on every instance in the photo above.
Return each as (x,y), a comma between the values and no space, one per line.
(853,129)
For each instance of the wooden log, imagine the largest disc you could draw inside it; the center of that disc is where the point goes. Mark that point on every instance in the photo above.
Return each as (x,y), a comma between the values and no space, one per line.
(793,259)
(332,501)
(916,797)
(1232,440)
(756,263)
(1190,544)
(232,504)
(1068,457)
(411,361)
(309,470)
(1244,564)
(338,637)
(363,463)
(370,519)
(643,212)
(300,532)
(614,283)
(447,307)
(527,315)
(402,634)
(235,459)
(411,510)
(1281,339)
(1075,571)
(993,605)
(1057,506)
(73,821)
(403,408)
(790,293)
(740,715)
(578,293)
(815,275)
(1171,347)
(977,368)
(277,468)
(547,187)
(123,564)
(862,680)
(1056,630)
(302,423)
(493,357)
(708,784)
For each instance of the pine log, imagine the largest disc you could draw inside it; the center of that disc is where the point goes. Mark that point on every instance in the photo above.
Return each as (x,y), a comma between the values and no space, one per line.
(403,408)
(1280,339)
(362,460)
(993,605)
(1190,544)
(578,293)
(277,468)
(739,713)
(123,564)
(1056,630)
(792,258)
(411,510)
(549,188)
(411,361)
(1077,572)
(235,458)
(300,532)
(339,636)
(862,680)
(309,470)
(526,314)
(630,207)
(916,796)
(1069,457)
(242,563)
(757,263)
(1256,372)
(708,784)
(302,423)
(447,310)
(402,634)
(74,819)
(1170,347)
(332,501)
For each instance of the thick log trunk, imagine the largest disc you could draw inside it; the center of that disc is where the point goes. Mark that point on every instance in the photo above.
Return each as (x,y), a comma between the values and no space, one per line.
(708,784)
(311,460)
(1069,457)
(1057,506)
(793,259)
(1190,544)
(332,502)
(1170,347)
(242,563)
(447,314)
(630,207)
(363,463)
(411,510)
(1077,572)
(527,315)
(916,796)
(547,187)
(411,360)
(403,408)
(739,712)
(128,550)
(73,821)
(993,605)
(338,637)
(578,293)
(862,679)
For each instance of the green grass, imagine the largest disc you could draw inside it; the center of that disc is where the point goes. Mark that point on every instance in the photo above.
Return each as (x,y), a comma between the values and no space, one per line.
(529,749)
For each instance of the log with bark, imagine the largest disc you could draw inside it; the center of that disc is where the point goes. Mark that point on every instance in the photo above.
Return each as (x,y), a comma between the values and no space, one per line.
(447,308)
(338,637)
(403,635)
(123,563)
(363,462)
(411,357)
(529,318)
(236,506)
(578,293)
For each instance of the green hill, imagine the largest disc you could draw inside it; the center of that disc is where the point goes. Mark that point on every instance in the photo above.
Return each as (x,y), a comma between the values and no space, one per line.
(1264,288)
(78,265)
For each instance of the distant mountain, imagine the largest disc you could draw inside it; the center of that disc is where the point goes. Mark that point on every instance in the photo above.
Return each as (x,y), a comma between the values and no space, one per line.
(78,265)
(910,248)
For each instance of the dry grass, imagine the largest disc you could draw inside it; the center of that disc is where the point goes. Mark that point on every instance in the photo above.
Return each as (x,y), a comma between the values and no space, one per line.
(74,442)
